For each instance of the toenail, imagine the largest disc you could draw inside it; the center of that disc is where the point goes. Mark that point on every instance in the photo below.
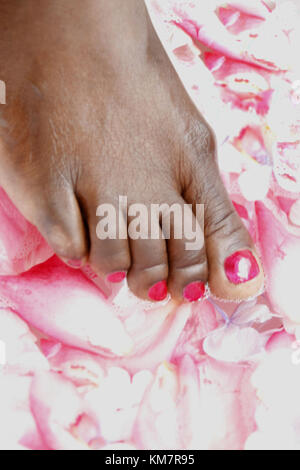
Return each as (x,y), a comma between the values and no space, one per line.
(74,263)
(194,291)
(241,267)
(159,291)
(116,277)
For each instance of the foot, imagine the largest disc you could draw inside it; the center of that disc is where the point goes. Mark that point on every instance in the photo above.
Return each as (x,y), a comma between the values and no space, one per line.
(94,111)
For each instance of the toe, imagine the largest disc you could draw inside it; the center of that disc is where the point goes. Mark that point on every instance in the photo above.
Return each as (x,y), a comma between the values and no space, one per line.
(187,256)
(235,271)
(62,226)
(58,217)
(109,250)
(148,275)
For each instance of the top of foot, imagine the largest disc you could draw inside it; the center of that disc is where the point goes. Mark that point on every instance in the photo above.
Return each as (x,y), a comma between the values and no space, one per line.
(93,114)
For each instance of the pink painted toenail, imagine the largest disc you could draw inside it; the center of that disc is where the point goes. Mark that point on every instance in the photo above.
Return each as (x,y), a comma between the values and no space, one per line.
(159,291)
(75,263)
(194,291)
(241,267)
(116,277)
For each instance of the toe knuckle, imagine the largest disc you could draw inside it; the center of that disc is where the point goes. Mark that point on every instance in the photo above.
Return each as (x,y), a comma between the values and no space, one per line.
(159,271)
(118,260)
(223,221)
(191,259)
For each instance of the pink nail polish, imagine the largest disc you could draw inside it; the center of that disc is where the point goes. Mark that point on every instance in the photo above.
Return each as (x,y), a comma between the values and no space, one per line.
(116,277)
(75,263)
(194,291)
(159,291)
(241,267)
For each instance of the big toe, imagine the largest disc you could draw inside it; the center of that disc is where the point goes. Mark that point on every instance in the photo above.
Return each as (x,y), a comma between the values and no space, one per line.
(235,270)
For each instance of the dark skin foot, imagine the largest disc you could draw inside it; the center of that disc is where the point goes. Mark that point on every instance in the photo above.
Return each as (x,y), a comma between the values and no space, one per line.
(94,111)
